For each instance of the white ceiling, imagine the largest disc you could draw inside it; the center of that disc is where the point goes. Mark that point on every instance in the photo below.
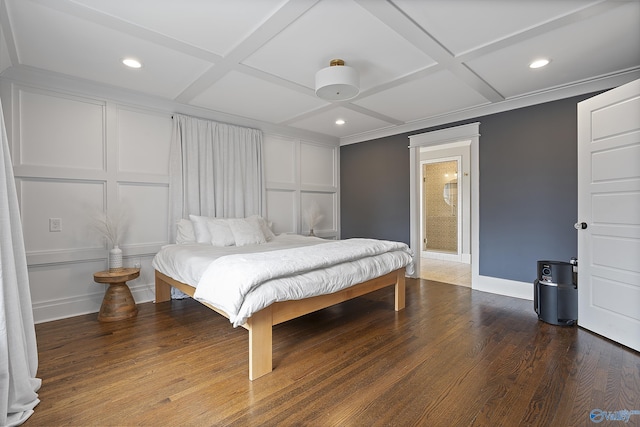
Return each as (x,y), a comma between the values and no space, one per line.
(420,61)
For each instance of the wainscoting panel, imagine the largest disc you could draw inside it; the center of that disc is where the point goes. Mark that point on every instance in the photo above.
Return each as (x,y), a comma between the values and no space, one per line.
(280,155)
(73,202)
(145,223)
(281,210)
(140,134)
(314,160)
(65,289)
(59,131)
(327,206)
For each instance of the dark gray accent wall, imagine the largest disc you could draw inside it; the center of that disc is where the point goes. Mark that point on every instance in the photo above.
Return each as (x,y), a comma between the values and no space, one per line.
(528,188)
(374,189)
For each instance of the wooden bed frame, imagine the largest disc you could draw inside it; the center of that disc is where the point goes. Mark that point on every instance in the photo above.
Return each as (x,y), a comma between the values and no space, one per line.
(260,324)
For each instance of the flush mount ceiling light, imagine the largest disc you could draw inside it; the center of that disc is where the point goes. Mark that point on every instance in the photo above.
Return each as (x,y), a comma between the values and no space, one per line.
(131,63)
(337,82)
(539,63)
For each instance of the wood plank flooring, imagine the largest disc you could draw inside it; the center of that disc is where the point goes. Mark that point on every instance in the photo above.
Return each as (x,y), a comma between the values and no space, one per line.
(453,357)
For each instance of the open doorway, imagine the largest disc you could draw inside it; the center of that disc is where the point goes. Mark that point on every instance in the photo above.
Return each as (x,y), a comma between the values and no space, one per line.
(442,236)
(445,201)
(445,213)
(441,208)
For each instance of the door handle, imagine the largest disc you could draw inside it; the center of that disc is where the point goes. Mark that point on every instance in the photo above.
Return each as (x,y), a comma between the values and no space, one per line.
(580,225)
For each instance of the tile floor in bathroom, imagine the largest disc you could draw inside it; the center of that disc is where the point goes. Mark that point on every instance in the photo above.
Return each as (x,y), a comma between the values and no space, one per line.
(455,273)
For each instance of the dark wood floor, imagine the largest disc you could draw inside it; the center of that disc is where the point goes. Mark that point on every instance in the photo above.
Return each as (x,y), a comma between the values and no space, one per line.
(453,357)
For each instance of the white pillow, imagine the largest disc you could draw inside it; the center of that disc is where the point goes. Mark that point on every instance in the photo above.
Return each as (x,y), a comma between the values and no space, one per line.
(200,228)
(246,232)
(264,226)
(185,233)
(221,234)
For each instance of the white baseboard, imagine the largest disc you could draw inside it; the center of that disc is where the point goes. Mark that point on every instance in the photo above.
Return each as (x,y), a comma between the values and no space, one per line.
(509,288)
(143,292)
(63,308)
(47,311)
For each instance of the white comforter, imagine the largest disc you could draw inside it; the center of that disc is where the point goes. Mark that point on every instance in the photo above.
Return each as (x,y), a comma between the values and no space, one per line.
(244,283)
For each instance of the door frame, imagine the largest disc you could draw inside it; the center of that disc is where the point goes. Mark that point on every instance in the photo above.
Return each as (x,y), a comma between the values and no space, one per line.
(469,132)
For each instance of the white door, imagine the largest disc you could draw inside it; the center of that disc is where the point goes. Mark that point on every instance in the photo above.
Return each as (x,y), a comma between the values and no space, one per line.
(609,208)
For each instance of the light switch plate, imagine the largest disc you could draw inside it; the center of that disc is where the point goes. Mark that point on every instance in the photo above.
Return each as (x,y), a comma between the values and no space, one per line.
(55,224)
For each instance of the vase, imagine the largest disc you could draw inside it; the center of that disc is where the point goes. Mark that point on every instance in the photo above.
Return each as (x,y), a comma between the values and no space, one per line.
(115,259)
(311,233)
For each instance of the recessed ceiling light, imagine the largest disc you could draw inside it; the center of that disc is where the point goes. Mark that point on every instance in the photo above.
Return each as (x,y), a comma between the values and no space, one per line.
(340,122)
(539,63)
(132,63)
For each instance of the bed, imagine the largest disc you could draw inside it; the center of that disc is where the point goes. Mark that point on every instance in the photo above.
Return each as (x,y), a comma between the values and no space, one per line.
(257,285)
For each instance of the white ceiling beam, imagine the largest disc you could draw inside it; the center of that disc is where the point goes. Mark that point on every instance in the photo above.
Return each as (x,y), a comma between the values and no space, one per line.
(399,22)
(280,20)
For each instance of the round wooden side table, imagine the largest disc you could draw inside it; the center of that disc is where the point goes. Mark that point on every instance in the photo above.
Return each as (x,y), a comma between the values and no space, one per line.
(118,303)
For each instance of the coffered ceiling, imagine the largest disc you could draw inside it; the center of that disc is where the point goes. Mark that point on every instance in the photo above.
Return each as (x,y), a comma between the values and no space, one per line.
(421,62)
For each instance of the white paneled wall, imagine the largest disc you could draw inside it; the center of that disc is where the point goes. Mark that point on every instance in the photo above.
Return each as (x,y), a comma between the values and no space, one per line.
(298,173)
(75,154)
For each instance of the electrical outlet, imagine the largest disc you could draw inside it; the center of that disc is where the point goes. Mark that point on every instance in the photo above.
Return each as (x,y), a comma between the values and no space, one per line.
(55,224)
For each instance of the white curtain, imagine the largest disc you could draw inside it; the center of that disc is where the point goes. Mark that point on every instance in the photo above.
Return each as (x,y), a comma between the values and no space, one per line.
(215,170)
(18,351)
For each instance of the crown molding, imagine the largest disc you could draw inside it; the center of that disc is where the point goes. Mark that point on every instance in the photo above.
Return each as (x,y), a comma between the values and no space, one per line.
(35,77)
(554,94)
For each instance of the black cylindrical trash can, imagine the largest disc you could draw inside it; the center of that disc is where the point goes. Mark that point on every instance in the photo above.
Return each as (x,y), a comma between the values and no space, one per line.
(555,294)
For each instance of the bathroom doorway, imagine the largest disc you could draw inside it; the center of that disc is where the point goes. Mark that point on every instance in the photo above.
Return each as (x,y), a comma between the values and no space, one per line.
(457,141)
(441,207)
(445,202)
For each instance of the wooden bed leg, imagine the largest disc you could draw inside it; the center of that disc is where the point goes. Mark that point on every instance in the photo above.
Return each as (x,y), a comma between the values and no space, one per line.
(400,290)
(163,290)
(260,351)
